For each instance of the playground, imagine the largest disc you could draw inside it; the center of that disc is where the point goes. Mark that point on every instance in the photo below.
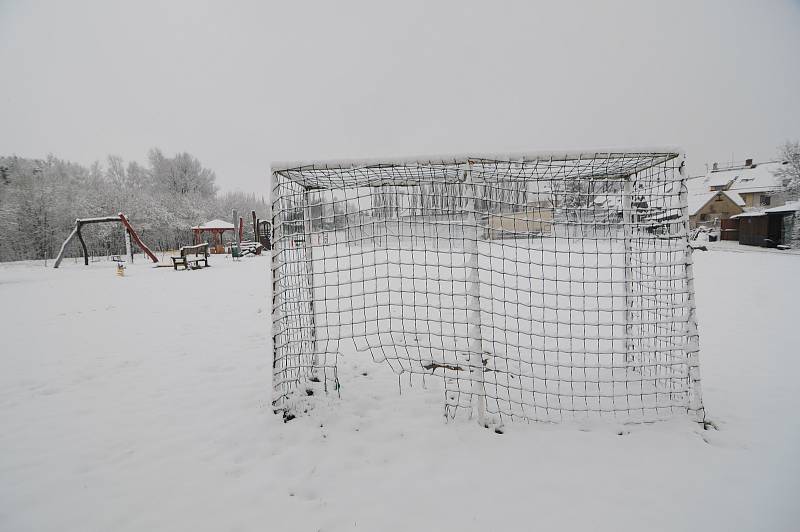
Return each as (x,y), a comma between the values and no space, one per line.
(206,238)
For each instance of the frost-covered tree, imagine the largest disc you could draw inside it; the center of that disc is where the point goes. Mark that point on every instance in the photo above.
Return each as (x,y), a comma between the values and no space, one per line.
(789,171)
(40,199)
(789,174)
(181,175)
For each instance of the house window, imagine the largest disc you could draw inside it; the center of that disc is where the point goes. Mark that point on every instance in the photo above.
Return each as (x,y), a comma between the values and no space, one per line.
(718,198)
(703,217)
(765,200)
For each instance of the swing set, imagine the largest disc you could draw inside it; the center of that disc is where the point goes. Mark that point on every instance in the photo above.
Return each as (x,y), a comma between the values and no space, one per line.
(130,234)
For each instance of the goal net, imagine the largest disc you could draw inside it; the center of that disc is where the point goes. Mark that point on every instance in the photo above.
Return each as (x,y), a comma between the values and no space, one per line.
(536,287)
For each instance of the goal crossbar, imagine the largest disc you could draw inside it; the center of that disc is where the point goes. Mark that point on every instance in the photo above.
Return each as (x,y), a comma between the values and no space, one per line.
(406,172)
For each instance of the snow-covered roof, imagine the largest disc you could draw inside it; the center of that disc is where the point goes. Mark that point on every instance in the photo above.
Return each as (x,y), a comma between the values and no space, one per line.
(720,179)
(215,224)
(734,197)
(698,201)
(759,177)
(789,207)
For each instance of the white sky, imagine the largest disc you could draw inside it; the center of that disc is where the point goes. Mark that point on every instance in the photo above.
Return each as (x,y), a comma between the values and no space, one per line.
(240,84)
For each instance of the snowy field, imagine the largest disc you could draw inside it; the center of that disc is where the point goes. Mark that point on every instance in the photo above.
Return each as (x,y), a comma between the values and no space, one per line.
(143,403)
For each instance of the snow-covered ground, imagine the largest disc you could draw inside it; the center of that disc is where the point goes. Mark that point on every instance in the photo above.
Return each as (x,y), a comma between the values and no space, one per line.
(143,403)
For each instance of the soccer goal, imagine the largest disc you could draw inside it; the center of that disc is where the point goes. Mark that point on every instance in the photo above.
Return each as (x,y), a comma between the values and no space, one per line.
(538,287)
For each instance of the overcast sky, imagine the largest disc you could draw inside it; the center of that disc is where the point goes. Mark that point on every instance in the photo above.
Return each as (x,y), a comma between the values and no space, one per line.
(241,84)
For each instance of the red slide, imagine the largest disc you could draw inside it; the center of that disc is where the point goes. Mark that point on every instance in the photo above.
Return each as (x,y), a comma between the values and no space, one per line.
(136,238)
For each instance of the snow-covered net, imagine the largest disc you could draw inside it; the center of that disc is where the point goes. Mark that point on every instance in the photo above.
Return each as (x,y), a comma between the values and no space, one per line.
(537,287)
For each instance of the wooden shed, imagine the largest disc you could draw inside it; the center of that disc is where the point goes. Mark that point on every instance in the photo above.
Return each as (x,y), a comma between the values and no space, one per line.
(768,228)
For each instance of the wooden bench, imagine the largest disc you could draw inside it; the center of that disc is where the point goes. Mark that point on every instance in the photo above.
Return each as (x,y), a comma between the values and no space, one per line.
(248,247)
(199,254)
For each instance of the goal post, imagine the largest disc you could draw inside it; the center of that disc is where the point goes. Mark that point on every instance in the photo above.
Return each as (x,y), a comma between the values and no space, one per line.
(536,286)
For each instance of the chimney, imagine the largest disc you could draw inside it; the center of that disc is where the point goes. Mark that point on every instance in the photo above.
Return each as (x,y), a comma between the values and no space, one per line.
(715,167)
(748,163)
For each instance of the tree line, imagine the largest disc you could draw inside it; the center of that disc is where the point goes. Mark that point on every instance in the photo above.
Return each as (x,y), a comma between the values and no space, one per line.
(41,198)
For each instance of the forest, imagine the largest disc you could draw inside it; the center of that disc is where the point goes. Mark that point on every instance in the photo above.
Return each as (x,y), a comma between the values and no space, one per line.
(41,198)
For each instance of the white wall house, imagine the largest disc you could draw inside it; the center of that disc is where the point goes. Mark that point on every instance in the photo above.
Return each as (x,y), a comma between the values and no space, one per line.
(755,183)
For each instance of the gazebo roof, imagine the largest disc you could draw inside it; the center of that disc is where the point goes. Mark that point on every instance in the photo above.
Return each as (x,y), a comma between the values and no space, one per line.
(216,224)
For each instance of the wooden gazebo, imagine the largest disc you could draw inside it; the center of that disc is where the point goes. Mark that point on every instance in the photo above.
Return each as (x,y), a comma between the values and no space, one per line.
(217,228)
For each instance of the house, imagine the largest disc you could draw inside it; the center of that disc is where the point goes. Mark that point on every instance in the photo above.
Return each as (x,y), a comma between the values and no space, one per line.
(755,183)
(709,208)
